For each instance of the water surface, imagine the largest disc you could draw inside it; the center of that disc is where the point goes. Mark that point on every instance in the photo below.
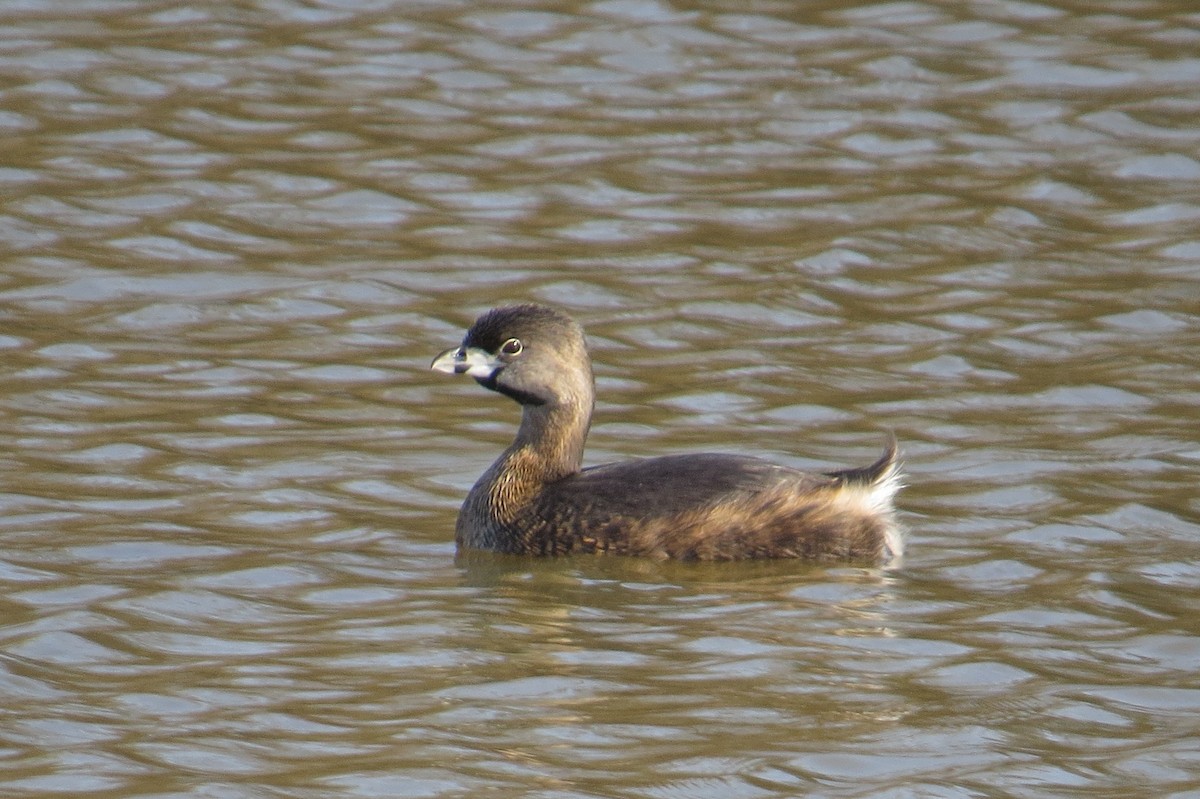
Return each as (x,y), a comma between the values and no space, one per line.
(233,238)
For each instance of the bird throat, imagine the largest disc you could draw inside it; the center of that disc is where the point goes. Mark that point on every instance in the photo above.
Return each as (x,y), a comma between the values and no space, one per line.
(550,441)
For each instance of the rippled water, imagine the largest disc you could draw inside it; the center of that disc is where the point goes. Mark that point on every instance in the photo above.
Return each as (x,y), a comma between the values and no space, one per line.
(233,236)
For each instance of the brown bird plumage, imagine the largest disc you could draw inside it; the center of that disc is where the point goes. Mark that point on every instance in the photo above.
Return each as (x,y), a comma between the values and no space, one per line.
(536,498)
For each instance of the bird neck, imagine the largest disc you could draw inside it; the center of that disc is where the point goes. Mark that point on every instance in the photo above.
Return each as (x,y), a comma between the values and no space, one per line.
(548,447)
(549,443)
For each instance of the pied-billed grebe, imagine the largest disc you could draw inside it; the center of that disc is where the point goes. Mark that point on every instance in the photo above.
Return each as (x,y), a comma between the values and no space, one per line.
(536,498)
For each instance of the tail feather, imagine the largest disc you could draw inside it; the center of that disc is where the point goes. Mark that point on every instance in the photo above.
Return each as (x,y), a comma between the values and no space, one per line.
(873,487)
(878,472)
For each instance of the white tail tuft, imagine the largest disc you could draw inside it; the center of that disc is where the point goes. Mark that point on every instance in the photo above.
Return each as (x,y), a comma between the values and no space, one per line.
(881,494)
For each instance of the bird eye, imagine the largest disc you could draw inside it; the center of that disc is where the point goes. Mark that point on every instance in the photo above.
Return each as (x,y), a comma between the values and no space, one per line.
(512,347)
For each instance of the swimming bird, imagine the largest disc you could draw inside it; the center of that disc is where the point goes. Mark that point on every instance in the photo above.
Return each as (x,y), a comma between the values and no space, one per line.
(538,499)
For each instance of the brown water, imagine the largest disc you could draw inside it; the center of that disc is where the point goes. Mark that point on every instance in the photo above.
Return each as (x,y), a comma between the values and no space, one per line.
(234,235)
